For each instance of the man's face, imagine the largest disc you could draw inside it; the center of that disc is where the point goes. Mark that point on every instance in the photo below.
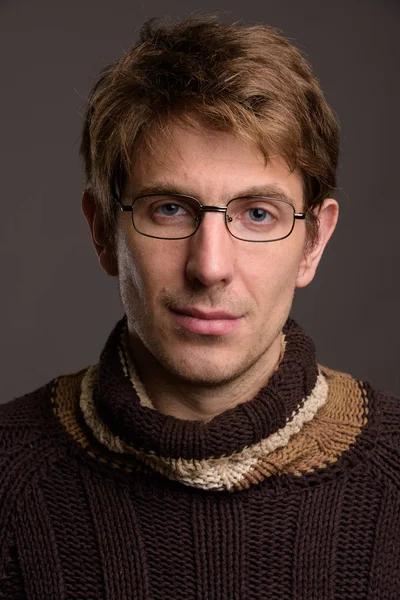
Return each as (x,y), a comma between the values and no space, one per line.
(163,283)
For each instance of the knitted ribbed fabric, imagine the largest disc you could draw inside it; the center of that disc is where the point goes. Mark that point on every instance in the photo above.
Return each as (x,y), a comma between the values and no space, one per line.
(292,495)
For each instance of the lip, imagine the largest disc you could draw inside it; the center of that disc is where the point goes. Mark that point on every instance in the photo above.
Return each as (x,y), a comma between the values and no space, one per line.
(200,314)
(206,323)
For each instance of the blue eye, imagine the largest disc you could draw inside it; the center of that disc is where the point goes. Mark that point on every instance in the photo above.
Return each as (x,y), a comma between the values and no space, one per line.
(170,210)
(259,215)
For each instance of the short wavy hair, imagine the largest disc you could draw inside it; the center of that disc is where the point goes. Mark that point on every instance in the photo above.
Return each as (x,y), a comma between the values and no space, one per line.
(245,79)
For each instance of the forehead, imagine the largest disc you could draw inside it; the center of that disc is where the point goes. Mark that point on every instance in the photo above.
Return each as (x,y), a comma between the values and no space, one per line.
(210,165)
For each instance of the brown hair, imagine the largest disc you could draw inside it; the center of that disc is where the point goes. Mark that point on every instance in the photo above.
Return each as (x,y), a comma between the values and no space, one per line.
(249,80)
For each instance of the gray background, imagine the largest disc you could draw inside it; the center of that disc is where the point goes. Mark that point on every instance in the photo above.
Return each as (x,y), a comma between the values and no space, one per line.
(57,307)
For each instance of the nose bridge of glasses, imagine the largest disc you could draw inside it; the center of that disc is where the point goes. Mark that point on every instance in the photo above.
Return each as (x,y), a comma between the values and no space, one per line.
(208,208)
(212,209)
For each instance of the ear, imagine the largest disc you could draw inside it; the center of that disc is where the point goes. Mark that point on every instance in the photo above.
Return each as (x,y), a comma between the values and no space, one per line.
(104,249)
(327,214)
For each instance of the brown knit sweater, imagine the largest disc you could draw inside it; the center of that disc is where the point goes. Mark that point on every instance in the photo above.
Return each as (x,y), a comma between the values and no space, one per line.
(292,495)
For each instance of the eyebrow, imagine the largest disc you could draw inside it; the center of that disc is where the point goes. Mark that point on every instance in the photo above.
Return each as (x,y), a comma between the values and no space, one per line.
(270,190)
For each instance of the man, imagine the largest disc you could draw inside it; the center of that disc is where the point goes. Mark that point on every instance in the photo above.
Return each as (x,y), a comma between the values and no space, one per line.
(207,454)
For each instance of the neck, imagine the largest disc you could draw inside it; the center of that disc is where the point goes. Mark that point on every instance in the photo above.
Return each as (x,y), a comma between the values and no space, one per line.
(195,401)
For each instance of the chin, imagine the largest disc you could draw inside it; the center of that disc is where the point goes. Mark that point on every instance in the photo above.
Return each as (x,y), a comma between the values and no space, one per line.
(205,377)
(207,367)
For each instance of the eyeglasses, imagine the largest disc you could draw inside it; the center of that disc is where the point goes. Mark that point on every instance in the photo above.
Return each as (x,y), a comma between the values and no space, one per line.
(177,217)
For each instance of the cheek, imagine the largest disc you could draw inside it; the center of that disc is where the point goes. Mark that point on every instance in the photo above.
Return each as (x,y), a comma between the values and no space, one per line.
(271,273)
(146,267)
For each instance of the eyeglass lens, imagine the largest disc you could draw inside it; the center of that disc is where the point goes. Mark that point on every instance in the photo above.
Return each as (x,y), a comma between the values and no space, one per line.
(249,219)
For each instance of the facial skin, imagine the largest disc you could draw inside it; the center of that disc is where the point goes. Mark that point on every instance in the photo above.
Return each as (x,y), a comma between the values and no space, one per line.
(192,375)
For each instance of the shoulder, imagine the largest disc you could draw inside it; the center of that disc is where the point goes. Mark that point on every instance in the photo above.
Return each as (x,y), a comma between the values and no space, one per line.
(25,417)
(386,456)
(30,425)
(374,416)
(32,441)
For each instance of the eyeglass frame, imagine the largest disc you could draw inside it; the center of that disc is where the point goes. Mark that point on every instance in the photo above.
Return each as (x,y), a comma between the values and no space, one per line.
(203,208)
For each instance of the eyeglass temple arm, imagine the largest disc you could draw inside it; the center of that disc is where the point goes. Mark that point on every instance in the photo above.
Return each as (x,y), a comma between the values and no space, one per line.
(123,207)
(115,195)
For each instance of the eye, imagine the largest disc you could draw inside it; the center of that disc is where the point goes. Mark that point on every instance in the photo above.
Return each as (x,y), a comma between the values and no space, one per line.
(260,215)
(170,210)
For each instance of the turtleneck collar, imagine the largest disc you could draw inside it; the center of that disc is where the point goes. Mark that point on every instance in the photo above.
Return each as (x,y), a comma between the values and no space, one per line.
(220,454)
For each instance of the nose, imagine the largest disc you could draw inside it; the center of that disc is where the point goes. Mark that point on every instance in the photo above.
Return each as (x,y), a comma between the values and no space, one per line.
(211,253)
